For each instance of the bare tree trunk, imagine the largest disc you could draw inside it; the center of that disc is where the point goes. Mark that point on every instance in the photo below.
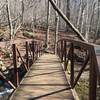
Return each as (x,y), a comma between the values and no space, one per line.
(82,21)
(67,21)
(79,16)
(48,19)
(68,9)
(59,16)
(67,12)
(98,24)
(92,14)
(57,26)
(9,19)
(87,23)
(22,12)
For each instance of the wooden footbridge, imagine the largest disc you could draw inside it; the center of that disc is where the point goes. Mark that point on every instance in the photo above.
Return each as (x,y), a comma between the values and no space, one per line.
(46,76)
(45,81)
(46,72)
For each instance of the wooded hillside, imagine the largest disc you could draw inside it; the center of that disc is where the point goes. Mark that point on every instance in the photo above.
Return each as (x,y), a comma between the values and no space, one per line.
(84,14)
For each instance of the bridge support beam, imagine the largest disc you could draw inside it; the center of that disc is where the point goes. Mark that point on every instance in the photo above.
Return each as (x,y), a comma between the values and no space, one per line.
(72,65)
(65,63)
(93,79)
(16,77)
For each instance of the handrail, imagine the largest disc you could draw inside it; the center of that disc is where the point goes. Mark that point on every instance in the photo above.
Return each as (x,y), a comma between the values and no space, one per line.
(66,20)
(33,50)
(91,57)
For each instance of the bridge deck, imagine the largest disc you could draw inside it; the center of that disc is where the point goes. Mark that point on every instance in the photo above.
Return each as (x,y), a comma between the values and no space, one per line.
(44,81)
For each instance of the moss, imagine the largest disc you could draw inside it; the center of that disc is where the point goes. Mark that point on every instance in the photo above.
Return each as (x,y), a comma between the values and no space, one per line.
(82,89)
(7,55)
(28,34)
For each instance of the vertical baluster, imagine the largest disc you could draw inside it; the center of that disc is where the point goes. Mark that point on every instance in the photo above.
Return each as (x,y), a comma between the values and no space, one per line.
(57,49)
(64,54)
(27,57)
(16,74)
(36,51)
(30,49)
(33,50)
(72,65)
(62,51)
(93,77)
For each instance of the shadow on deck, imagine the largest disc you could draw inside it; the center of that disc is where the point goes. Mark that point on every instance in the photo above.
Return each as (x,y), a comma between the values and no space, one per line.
(45,81)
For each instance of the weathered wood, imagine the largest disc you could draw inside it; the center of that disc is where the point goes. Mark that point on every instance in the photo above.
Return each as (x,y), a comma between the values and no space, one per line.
(92,79)
(81,70)
(44,81)
(33,50)
(61,51)
(5,79)
(93,55)
(16,74)
(30,51)
(22,59)
(27,55)
(65,55)
(66,20)
(68,57)
(72,65)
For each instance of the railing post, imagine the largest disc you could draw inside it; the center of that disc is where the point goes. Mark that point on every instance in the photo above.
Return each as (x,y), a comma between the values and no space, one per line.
(36,50)
(16,75)
(72,65)
(30,50)
(57,49)
(33,50)
(64,54)
(61,50)
(27,57)
(93,79)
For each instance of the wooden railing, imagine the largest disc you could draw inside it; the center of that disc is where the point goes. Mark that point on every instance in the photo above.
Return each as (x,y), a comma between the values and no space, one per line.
(32,50)
(66,51)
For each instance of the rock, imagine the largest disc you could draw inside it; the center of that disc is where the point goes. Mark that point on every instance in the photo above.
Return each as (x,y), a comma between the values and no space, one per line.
(3,68)
(1,63)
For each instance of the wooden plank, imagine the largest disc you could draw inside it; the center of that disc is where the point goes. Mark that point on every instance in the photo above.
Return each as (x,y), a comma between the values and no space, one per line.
(44,81)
